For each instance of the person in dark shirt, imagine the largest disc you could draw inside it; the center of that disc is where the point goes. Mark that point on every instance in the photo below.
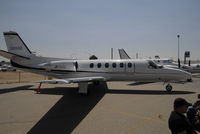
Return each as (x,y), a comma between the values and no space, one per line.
(193,115)
(178,123)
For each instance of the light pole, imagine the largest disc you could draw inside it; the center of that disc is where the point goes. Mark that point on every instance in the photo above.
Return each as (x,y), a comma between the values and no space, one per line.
(111,53)
(178,36)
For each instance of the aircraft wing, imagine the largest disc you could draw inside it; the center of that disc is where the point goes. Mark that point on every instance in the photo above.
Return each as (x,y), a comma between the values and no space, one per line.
(9,55)
(72,80)
(123,54)
(55,81)
(86,79)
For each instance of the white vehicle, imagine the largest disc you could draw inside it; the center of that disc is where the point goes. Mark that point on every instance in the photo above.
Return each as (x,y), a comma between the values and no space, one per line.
(4,68)
(193,68)
(11,69)
(84,71)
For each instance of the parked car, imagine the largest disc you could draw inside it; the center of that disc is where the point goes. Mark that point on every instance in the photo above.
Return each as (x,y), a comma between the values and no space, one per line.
(12,69)
(4,69)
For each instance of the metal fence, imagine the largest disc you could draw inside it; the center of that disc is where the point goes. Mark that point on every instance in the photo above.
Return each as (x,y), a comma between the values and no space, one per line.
(20,77)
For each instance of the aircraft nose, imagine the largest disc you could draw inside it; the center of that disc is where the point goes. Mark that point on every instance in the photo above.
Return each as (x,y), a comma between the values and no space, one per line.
(185,75)
(180,75)
(189,76)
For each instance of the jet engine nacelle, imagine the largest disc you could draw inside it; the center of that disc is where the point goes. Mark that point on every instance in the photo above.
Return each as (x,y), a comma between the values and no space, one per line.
(60,65)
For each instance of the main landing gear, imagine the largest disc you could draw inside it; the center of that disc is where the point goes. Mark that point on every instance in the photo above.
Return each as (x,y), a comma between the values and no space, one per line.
(83,88)
(38,89)
(168,88)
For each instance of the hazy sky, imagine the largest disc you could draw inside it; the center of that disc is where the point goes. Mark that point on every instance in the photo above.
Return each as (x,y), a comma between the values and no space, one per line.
(79,28)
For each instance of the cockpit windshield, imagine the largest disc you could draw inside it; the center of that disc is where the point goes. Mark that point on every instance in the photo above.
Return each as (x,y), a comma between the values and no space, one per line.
(153,65)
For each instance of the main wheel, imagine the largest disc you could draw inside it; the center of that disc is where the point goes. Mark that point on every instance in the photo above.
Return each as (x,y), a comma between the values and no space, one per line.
(96,83)
(83,94)
(169,87)
(189,80)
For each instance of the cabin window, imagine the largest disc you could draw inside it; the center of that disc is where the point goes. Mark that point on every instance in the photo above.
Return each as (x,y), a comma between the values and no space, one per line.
(106,65)
(129,65)
(121,65)
(114,65)
(91,65)
(99,65)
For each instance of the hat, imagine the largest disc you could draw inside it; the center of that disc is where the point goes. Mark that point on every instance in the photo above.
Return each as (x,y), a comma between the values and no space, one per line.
(181,102)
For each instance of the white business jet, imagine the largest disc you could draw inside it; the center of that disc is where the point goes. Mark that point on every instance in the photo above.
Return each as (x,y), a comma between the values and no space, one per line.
(163,61)
(195,68)
(84,71)
(192,68)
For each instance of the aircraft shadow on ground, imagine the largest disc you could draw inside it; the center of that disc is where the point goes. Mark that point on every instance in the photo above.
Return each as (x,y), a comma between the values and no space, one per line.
(139,83)
(72,108)
(69,111)
(147,92)
(8,90)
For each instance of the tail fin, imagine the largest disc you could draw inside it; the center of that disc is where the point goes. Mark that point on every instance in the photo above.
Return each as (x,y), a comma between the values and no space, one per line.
(123,54)
(16,45)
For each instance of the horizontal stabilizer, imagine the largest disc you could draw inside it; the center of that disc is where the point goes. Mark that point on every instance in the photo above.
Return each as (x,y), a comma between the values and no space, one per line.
(9,55)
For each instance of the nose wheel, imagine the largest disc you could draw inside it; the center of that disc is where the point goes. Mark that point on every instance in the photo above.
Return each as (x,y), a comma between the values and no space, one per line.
(168,88)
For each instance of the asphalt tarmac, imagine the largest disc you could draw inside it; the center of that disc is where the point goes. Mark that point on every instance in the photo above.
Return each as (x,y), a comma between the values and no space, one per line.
(115,108)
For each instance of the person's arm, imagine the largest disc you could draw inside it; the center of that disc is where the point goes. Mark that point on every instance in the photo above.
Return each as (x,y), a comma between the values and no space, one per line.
(197,132)
(184,132)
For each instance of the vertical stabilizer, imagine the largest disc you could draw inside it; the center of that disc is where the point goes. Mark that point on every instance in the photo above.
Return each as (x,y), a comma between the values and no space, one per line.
(123,54)
(16,45)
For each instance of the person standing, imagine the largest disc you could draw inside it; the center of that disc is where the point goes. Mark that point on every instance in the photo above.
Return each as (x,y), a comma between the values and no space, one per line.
(178,123)
(193,115)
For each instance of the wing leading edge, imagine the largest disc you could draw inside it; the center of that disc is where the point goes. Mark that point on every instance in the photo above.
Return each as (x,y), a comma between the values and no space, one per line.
(72,80)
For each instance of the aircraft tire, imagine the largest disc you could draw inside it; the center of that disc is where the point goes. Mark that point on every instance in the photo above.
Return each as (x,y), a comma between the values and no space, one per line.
(169,87)
(83,94)
(189,80)
(96,83)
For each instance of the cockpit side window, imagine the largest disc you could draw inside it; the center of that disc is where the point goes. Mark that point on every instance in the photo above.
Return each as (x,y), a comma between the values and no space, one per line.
(184,67)
(152,65)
